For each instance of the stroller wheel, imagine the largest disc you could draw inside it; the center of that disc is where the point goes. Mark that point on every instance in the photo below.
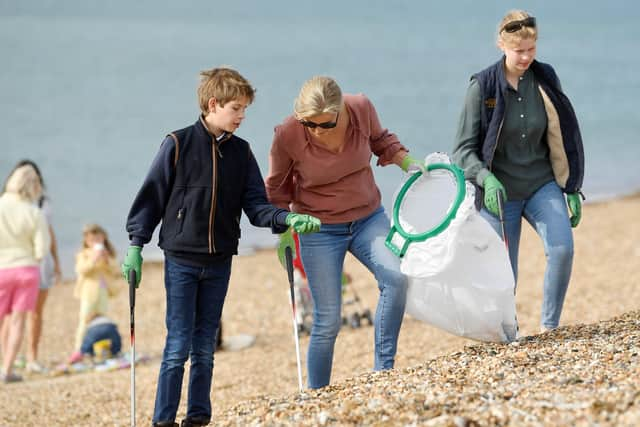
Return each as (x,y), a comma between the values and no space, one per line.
(366,314)
(354,320)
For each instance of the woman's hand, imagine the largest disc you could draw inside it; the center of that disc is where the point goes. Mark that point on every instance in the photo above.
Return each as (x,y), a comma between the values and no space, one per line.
(99,253)
(575,207)
(412,165)
(491,187)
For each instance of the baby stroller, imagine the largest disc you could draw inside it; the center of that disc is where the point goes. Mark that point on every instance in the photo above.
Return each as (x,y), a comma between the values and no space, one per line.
(353,312)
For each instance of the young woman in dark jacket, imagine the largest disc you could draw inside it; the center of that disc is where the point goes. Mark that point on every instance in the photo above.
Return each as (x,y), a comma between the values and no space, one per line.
(518,135)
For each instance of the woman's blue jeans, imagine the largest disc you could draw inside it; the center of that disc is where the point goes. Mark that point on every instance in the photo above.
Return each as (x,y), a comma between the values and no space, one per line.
(546,211)
(195,296)
(323,256)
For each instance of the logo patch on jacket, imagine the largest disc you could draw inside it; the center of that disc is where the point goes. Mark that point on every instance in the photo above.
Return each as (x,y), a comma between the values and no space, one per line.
(490,102)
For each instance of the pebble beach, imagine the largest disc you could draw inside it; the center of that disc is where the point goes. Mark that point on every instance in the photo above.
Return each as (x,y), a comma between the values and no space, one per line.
(585,373)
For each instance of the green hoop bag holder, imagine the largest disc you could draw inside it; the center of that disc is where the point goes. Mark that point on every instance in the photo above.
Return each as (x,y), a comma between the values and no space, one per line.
(458,269)
(409,237)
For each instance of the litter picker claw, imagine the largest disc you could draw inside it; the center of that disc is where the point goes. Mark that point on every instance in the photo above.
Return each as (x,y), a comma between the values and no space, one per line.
(132,307)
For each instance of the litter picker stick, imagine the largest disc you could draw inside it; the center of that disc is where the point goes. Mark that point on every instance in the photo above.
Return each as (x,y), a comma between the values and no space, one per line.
(506,240)
(132,309)
(501,217)
(289,263)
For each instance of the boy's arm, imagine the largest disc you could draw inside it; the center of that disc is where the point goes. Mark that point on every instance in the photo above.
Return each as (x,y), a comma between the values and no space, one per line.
(255,204)
(150,202)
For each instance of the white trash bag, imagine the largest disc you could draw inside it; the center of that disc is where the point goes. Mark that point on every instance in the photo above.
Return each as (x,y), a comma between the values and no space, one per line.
(460,277)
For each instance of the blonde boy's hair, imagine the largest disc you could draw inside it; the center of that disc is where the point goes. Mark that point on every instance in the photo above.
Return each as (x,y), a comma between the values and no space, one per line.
(318,95)
(25,182)
(223,84)
(517,36)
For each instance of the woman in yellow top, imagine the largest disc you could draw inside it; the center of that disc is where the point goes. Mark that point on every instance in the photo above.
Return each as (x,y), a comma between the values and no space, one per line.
(98,275)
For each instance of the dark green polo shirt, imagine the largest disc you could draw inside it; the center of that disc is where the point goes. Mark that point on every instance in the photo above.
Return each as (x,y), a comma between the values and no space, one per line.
(521,161)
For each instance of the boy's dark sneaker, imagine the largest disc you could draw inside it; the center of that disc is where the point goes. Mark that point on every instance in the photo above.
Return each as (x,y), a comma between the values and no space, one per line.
(165,424)
(194,422)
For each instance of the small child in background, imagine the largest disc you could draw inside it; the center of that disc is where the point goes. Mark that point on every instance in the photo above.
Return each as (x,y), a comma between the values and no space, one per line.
(102,339)
(98,280)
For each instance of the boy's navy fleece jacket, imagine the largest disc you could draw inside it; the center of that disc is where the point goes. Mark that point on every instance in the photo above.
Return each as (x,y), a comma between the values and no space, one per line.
(198,186)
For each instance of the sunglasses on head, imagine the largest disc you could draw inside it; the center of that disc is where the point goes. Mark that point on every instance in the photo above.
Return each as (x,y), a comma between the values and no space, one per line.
(514,26)
(323,125)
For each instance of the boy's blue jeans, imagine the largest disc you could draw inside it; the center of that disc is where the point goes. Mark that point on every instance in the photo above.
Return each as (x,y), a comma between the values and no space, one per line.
(195,296)
(323,256)
(546,211)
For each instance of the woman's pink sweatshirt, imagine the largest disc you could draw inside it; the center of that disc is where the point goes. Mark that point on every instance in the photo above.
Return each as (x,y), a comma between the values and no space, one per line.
(306,177)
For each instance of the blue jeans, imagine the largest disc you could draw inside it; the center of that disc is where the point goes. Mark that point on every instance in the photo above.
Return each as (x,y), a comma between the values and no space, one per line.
(323,256)
(195,296)
(546,211)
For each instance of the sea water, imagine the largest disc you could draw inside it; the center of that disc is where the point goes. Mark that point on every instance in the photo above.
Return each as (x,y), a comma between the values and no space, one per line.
(89,89)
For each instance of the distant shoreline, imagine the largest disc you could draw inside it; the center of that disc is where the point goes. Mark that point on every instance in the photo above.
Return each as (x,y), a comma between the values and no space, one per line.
(609,197)
(153,254)
(252,249)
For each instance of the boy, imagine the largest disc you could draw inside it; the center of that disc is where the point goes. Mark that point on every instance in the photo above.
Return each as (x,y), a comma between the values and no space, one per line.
(201,180)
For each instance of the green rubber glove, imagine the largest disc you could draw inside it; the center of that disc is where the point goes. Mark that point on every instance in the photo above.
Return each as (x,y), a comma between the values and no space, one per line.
(286,239)
(575,207)
(411,165)
(303,223)
(491,187)
(133,261)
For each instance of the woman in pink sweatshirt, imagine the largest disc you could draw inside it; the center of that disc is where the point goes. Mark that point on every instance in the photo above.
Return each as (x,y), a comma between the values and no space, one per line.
(319,165)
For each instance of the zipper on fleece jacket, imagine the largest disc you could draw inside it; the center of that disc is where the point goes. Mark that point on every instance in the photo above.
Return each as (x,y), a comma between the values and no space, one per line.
(214,183)
(215,149)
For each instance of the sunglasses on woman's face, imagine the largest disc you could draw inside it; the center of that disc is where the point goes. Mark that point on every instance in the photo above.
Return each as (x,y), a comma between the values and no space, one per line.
(323,125)
(514,26)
